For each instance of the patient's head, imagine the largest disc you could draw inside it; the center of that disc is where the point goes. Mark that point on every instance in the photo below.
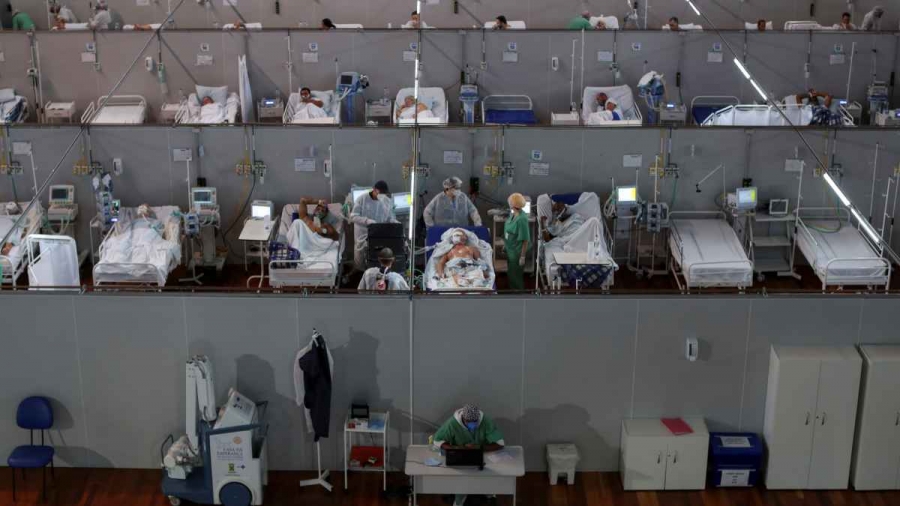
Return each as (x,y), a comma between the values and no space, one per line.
(761,25)
(321,209)
(207,101)
(459,238)
(305,93)
(611,105)
(601,99)
(409,101)
(559,209)
(386,258)
(673,23)
(145,211)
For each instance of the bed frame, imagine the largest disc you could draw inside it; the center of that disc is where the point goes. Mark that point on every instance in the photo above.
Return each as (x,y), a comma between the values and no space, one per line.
(846,117)
(101,279)
(507,103)
(674,266)
(113,101)
(718,101)
(820,213)
(291,276)
(32,226)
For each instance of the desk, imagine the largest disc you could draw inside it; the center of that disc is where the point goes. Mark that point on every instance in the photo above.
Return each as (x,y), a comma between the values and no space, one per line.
(497,478)
(256,230)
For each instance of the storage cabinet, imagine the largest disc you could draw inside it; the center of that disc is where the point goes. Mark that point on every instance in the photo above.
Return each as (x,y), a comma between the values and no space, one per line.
(811,416)
(876,452)
(652,458)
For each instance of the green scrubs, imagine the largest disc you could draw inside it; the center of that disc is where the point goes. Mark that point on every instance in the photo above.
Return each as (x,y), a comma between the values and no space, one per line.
(455,434)
(515,232)
(22,21)
(580,23)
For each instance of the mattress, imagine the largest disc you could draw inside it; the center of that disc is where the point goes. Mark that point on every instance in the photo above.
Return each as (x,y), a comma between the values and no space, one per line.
(861,265)
(710,253)
(520,117)
(11,261)
(120,115)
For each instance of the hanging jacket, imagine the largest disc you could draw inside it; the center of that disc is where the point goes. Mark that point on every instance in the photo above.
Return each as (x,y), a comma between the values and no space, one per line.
(313,375)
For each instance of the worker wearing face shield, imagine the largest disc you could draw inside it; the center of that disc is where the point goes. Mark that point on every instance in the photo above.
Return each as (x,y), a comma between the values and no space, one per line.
(451,208)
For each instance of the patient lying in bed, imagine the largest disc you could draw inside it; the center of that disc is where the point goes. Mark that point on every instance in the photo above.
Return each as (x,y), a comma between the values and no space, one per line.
(606,112)
(309,107)
(458,262)
(142,242)
(410,109)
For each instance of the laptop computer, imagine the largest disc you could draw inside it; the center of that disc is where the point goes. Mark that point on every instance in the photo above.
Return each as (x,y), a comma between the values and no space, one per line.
(464,457)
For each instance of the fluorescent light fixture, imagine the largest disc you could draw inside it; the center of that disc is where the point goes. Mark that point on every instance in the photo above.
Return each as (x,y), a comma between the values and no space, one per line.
(865,226)
(759,90)
(693,7)
(741,67)
(836,189)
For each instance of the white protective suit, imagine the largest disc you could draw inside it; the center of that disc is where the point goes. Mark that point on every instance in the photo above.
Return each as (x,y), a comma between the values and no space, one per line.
(371,277)
(444,211)
(367,211)
(66,15)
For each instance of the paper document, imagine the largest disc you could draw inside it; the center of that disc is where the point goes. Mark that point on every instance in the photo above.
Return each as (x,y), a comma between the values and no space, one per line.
(735,442)
(498,457)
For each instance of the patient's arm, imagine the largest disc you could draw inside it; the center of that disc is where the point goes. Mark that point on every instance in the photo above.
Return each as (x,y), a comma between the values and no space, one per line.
(6,248)
(476,255)
(304,203)
(329,232)
(314,101)
(439,268)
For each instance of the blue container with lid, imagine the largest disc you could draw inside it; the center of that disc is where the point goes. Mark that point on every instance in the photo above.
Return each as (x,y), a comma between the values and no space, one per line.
(735,459)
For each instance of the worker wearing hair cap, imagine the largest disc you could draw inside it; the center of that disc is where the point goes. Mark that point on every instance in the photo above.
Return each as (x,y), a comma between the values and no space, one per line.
(104,18)
(22,21)
(469,427)
(872,20)
(451,207)
(372,207)
(516,236)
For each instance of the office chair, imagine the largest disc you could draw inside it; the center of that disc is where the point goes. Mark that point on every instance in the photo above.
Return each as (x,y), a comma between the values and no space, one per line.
(34,413)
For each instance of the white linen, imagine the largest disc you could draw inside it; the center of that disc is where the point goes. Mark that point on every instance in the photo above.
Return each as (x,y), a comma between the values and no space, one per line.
(211,114)
(306,112)
(218,94)
(10,262)
(759,115)
(804,26)
(513,25)
(120,115)
(611,22)
(72,27)
(752,26)
(409,113)
(588,206)
(709,253)
(248,26)
(141,248)
(57,265)
(320,256)
(687,27)
(842,257)
(153,26)
(604,116)
(434,98)
(471,276)
(621,95)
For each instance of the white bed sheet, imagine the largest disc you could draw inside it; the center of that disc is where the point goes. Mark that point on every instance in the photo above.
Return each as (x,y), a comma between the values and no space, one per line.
(331,107)
(759,115)
(126,258)
(12,261)
(7,108)
(846,243)
(325,266)
(447,284)
(120,115)
(195,115)
(433,96)
(710,253)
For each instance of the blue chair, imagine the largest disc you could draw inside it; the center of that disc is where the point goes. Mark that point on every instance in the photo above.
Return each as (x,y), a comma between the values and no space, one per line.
(34,413)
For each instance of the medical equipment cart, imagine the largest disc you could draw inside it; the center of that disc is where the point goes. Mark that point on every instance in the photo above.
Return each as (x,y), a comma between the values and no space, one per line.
(259,231)
(773,250)
(378,112)
(378,424)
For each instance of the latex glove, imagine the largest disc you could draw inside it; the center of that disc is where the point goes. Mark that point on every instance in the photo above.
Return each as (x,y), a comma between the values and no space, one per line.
(521,261)
(370,221)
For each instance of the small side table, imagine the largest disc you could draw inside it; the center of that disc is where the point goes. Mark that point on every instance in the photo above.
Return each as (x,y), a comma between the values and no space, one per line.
(59,111)
(378,424)
(256,230)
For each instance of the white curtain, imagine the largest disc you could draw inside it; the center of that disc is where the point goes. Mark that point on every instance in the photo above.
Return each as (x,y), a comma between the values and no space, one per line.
(247,109)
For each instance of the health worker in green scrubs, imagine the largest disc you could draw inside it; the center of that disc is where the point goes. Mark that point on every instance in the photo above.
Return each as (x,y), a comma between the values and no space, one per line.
(516,235)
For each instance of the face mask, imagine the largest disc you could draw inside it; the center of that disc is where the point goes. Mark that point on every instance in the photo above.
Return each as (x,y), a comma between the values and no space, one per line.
(456,239)
(321,215)
(471,426)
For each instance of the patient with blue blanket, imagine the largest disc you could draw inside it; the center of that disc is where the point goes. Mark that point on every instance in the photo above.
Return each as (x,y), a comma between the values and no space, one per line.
(460,261)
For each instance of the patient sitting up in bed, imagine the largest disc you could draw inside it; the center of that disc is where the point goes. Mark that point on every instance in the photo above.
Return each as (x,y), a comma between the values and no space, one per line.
(410,109)
(463,262)
(309,107)
(562,223)
(321,221)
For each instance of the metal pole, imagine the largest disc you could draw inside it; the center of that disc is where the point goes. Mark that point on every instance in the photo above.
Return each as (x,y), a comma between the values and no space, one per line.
(874,171)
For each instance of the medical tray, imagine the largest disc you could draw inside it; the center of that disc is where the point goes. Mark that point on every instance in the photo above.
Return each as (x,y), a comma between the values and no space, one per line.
(735,459)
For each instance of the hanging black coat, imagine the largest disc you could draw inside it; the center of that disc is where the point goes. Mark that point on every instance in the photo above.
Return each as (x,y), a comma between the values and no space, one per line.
(315,385)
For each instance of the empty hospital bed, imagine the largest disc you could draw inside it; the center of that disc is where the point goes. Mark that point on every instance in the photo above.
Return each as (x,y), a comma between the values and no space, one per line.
(116,110)
(564,259)
(139,250)
(223,110)
(52,262)
(13,107)
(437,240)
(837,251)
(434,99)
(704,106)
(624,98)
(13,263)
(804,26)
(705,252)
(768,115)
(295,112)
(508,110)
(319,264)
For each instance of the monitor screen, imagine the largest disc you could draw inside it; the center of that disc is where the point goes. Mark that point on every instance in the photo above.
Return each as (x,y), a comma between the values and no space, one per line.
(347,79)
(402,201)
(746,198)
(626,194)
(527,208)
(356,192)
(261,211)
(59,194)
(203,197)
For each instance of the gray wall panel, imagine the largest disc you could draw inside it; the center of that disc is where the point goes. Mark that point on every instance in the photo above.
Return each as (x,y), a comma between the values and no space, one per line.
(16,62)
(564,365)
(146,355)
(878,323)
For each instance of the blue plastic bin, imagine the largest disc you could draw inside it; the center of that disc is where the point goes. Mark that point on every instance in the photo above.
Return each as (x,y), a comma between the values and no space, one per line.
(735,459)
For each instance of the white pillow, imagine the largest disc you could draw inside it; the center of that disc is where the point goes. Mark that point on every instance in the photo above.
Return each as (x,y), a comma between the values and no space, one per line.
(7,95)
(218,94)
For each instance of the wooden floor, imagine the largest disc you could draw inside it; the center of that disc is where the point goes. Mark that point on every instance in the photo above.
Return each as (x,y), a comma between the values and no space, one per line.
(132,487)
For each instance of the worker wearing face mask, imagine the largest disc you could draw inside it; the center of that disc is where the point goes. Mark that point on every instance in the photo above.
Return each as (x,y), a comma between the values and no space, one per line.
(469,427)
(381,279)
(517,236)
(372,207)
(451,208)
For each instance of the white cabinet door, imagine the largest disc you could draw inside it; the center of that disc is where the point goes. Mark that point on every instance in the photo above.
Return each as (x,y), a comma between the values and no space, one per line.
(789,444)
(645,464)
(686,468)
(878,435)
(834,424)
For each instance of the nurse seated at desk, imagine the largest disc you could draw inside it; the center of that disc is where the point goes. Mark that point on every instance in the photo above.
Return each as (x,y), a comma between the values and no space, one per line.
(469,427)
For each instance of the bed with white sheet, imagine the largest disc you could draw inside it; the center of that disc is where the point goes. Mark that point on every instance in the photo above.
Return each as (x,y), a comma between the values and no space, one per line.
(611,22)
(513,25)
(52,262)
(623,97)
(461,275)
(247,26)
(804,26)
(705,252)
(348,26)
(839,253)
(142,28)
(299,113)
(769,115)
(754,27)
(320,257)
(683,27)
(507,110)
(13,107)
(223,110)
(116,110)
(140,250)
(704,106)
(434,99)
(13,263)
(574,237)
(72,27)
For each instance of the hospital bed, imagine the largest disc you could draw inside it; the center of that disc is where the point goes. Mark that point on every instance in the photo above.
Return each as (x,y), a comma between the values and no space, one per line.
(13,264)
(507,110)
(702,107)
(348,26)
(513,25)
(13,107)
(140,251)
(753,27)
(837,251)
(116,110)
(73,27)
(705,252)
(434,237)
(687,27)
(190,111)
(433,98)
(611,22)
(323,269)
(804,26)
(147,27)
(551,272)
(624,98)
(248,26)
(768,115)
(330,105)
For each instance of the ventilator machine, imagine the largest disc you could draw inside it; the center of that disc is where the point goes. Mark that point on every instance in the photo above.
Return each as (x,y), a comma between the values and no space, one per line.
(349,85)
(222,458)
(201,222)
(652,87)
